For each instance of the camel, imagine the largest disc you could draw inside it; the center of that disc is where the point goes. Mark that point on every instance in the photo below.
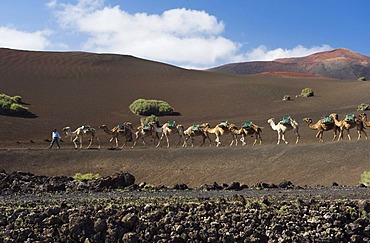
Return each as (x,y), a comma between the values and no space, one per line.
(363,118)
(126,130)
(283,126)
(250,130)
(196,130)
(171,128)
(147,130)
(79,133)
(219,130)
(321,126)
(347,124)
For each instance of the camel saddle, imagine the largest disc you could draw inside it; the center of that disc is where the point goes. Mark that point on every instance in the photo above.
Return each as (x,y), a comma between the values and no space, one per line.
(327,119)
(350,117)
(146,127)
(172,124)
(223,123)
(122,127)
(247,125)
(195,127)
(285,120)
(85,128)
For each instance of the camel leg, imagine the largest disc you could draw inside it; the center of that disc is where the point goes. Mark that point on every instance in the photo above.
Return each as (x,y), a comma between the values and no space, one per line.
(278,137)
(218,143)
(75,142)
(168,141)
(185,144)
(210,141)
(159,142)
(258,137)
(242,139)
(203,140)
(359,134)
(298,136)
(91,141)
(348,134)
(98,141)
(319,136)
(182,139)
(283,138)
(335,134)
(340,137)
(255,140)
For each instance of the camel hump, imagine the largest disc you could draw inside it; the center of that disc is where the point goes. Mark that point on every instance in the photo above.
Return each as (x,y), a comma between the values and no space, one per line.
(327,119)
(86,128)
(224,123)
(146,127)
(286,120)
(195,127)
(350,117)
(171,123)
(247,124)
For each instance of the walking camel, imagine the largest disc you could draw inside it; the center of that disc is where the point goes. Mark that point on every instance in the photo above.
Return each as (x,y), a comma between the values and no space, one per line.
(125,130)
(219,130)
(284,126)
(147,130)
(171,128)
(347,124)
(79,133)
(194,131)
(321,126)
(249,130)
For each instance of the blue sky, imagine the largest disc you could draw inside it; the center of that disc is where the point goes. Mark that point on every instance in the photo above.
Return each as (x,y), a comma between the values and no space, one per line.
(187,33)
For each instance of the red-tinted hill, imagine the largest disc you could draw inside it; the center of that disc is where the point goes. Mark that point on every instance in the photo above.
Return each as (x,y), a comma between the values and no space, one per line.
(338,63)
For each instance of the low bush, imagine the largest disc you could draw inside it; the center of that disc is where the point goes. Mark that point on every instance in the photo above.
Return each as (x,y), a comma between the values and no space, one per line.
(365,178)
(11,105)
(361,79)
(151,107)
(84,177)
(149,119)
(363,107)
(307,92)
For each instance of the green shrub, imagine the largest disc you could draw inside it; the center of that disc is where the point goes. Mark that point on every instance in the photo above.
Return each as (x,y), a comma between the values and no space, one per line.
(361,79)
(363,107)
(11,105)
(87,176)
(307,92)
(149,119)
(17,99)
(365,178)
(151,107)
(18,109)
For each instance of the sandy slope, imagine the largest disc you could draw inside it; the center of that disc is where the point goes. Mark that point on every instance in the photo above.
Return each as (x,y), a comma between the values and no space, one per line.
(72,89)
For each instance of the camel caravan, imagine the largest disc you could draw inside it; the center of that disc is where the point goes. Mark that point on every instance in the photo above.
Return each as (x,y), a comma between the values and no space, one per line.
(157,134)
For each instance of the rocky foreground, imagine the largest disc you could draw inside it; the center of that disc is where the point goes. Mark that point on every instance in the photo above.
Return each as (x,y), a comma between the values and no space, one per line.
(115,209)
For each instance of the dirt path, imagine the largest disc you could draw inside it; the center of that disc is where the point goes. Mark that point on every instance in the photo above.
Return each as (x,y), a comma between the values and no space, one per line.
(303,164)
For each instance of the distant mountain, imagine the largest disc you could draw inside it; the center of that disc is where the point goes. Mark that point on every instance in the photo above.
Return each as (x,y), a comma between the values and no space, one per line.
(339,63)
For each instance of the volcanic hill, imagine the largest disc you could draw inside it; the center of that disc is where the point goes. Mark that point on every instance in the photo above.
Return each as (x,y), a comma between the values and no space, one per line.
(338,63)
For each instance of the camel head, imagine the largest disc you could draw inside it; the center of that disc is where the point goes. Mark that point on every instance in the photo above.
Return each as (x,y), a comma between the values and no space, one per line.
(103,126)
(308,120)
(67,130)
(363,115)
(334,116)
(205,125)
(271,120)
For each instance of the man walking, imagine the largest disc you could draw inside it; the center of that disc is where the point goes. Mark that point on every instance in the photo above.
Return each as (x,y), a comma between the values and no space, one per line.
(55,136)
